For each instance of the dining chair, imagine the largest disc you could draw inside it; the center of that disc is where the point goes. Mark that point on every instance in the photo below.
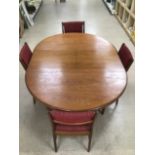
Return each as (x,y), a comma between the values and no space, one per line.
(72,123)
(127,59)
(125,56)
(25,57)
(73,26)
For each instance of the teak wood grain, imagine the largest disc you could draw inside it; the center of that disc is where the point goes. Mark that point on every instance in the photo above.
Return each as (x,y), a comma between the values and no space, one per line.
(75,72)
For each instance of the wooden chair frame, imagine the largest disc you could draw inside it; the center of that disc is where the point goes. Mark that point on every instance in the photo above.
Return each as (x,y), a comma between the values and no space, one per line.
(56,133)
(130,61)
(25,66)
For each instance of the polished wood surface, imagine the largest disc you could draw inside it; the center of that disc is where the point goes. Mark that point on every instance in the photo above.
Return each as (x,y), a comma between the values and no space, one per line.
(75,72)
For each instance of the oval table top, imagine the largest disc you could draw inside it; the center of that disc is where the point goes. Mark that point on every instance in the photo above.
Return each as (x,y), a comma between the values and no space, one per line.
(75,72)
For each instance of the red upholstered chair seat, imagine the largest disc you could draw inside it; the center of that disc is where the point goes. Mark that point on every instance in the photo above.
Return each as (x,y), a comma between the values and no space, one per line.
(72,117)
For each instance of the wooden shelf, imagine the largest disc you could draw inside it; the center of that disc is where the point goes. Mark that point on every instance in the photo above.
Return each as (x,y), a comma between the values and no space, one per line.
(126,8)
(126,30)
(125,15)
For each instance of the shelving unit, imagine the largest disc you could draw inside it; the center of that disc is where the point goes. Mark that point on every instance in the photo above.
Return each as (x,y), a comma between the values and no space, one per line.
(125,14)
(21,26)
(37,4)
(29,18)
(110,4)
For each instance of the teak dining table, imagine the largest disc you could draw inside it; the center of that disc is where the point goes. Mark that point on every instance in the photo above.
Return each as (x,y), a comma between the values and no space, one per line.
(75,72)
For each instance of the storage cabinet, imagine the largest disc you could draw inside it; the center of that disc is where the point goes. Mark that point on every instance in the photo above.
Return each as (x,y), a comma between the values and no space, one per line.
(21,26)
(125,13)
(26,11)
(37,4)
(110,4)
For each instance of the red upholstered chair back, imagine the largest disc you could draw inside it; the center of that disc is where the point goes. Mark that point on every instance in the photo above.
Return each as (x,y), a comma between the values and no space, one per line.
(73,123)
(73,26)
(125,56)
(25,56)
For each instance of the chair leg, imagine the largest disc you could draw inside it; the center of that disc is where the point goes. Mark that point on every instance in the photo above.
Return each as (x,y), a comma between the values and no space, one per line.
(34,101)
(54,140)
(102,111)
(48,109)
(116,102)
(89,141)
